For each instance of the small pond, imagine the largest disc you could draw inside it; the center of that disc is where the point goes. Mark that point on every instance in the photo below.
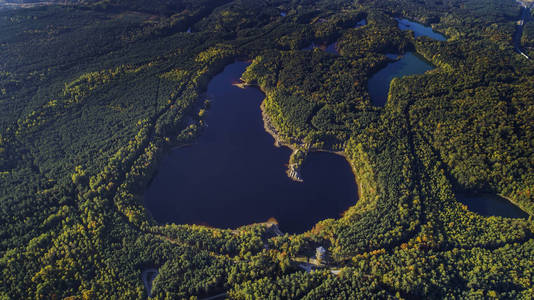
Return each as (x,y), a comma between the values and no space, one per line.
(360,23)
(487,205)
(420,29)
(407,64)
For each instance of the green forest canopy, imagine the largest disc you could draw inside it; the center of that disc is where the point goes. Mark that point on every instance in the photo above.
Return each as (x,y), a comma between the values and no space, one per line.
(93,93)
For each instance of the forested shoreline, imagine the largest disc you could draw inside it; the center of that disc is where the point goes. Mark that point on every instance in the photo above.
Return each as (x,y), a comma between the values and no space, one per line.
(94,93)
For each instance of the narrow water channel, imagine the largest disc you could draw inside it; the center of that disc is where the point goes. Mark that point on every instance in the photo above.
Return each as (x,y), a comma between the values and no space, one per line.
(234,175)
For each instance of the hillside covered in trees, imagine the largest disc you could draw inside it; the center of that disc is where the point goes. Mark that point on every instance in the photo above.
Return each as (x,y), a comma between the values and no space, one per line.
(94,93)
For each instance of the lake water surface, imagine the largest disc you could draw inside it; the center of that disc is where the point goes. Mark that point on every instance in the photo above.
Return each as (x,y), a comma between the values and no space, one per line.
(234,175)
(487,205)
(408,64)
(420,29)
(360,23)
(484,204)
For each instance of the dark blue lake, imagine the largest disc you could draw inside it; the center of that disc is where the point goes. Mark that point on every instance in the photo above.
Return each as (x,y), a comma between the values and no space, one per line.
(491,205)
(234,175)
(420,29)
(408,64)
